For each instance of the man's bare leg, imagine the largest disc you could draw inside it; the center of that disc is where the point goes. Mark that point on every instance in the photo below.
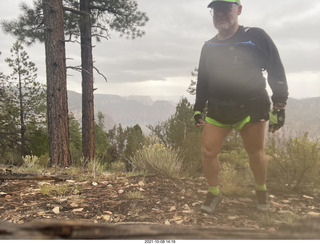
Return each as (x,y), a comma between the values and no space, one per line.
(253,139)
(212,141)
(253,135)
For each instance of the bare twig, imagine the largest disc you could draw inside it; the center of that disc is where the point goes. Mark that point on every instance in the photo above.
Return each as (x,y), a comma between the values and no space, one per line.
(105,78)
(75,11)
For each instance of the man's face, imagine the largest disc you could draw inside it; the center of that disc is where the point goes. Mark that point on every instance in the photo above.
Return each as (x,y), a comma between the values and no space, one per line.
(225,15)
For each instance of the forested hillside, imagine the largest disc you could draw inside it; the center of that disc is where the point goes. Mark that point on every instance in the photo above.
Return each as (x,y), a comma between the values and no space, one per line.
(302,115)
(127,111)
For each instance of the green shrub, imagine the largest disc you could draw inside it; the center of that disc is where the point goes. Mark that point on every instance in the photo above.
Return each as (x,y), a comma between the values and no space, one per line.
(236,174)
(158,159)
(237,157)
(235,181)
(294,162)
(32,163)
(117,167)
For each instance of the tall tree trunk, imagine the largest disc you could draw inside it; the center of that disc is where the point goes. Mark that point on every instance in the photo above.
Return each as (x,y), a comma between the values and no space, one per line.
(87,83)
(57,100)
(22,124)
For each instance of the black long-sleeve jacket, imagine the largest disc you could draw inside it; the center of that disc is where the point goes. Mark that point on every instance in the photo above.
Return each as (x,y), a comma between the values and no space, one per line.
(233,68)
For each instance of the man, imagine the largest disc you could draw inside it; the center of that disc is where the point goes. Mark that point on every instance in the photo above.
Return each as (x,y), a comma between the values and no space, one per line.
(232,86)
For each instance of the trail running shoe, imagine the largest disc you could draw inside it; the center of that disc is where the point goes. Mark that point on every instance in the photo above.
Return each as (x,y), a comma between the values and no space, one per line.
(211,203)
(263,203)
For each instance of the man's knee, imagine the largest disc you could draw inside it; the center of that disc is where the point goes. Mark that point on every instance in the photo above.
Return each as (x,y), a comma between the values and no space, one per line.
(209,153)
(256,152)
(257,156)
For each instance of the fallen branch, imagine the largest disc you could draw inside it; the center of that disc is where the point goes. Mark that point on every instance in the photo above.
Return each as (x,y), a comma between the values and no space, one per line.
(33,177)
(303,229)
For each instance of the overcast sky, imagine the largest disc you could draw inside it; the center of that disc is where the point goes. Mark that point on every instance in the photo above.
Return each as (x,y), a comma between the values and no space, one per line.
(160,63)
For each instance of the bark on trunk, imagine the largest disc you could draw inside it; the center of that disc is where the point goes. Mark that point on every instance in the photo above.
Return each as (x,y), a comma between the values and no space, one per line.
(57,100)
(87,83)
(22,124)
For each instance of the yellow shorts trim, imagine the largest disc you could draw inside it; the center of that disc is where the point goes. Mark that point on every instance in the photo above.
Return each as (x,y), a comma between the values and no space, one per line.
(238,126)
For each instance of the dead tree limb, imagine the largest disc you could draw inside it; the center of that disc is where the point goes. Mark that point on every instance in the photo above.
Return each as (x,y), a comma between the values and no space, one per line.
(305,229)
(33,177)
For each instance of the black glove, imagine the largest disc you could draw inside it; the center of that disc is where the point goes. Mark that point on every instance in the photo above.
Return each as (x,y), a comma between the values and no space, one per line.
(197,118)
(276,119)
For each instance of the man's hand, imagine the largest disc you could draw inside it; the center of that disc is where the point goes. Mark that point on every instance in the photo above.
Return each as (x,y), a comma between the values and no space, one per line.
(277,118)
(198,119)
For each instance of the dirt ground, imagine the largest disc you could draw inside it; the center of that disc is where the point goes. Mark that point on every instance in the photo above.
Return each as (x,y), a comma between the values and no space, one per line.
(151,199)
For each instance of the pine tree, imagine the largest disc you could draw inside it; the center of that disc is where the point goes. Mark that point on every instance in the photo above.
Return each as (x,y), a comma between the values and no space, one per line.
(84,19)
(27,96)
(57,101)
(193,84)
(9,136)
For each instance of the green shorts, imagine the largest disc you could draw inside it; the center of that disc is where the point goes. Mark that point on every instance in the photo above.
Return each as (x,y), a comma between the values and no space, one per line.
(238,126)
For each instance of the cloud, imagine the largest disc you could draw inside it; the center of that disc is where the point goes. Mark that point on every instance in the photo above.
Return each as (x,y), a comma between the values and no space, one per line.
(175,33)
(302,84)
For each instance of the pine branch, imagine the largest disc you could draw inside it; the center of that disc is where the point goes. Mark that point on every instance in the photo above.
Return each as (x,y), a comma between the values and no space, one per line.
(105,78)
(75,11)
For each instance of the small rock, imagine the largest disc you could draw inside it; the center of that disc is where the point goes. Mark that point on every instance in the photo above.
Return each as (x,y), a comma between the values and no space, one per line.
(60,200)
(77,210)
(307,197)
(121,191)
(186,207)
(94,183)
(56,210)
(196,204)
(233,217)
(173,208)
(107,218)
(176,218)
(272,196)
(74,205)
(70,181)
(141,183)
(167,222)
(3,193)
(43,183)
(285,201)
(245,199)
(315,214)
(257,227)
(285,212)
